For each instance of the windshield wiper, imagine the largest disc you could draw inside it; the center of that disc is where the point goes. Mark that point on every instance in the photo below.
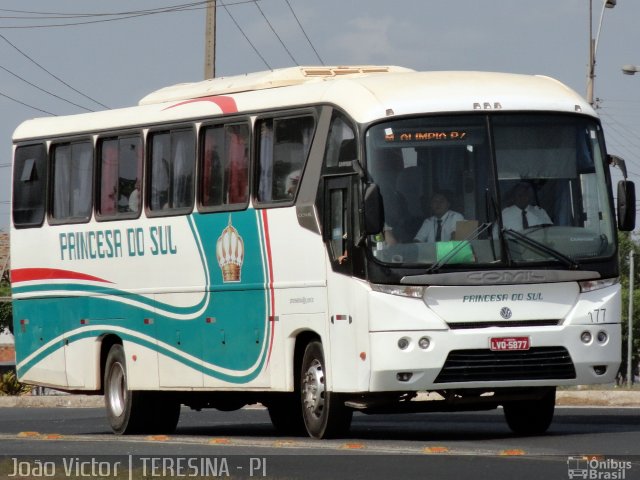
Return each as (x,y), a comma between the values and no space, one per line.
(541,247)
(463,243)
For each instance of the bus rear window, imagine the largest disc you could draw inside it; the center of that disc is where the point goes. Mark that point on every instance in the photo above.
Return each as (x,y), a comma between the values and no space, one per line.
(29,185)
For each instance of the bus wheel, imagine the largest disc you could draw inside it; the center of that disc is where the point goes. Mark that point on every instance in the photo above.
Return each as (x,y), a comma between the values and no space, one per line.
(124,407)
(130,411)
(324,412)
(163,412)
(286,414)
(531,417)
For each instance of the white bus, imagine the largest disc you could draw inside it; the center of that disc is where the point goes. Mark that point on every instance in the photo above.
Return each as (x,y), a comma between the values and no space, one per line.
(271,238)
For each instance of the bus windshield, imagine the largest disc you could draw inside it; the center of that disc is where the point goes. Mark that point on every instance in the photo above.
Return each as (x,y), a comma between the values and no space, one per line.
(498,190)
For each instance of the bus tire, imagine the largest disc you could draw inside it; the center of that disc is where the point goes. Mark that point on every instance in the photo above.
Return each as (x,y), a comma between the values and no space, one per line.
(285,413)
(531,417)
(125,408)
(323,412)
(163,412)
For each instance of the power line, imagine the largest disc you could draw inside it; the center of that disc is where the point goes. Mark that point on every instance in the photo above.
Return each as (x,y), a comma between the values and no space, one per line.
(54,76)
(26,104)
(245,35)
(304,32)
(119,15)
(276,34)
(126,12)
(43,90)
(76,15)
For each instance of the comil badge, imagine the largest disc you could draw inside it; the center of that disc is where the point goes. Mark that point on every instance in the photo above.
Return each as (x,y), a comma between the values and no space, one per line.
(230,253)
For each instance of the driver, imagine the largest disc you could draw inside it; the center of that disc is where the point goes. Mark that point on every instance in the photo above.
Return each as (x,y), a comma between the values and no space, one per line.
(522,214)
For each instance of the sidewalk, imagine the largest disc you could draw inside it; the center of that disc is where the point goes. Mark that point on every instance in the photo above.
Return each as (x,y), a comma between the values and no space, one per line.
(599,398)
(583,398)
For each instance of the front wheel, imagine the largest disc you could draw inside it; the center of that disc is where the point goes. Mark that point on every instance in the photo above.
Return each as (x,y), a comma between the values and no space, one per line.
(531,417)
(323,412)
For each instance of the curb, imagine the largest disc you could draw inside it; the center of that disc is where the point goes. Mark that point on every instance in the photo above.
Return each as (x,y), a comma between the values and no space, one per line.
(581,398)
(599,398)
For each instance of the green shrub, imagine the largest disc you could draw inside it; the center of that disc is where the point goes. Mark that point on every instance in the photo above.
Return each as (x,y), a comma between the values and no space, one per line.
(9,385)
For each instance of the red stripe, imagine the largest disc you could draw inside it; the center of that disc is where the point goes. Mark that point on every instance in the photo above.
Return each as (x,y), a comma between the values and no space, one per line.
(265,225)
(31,274)
(226,104)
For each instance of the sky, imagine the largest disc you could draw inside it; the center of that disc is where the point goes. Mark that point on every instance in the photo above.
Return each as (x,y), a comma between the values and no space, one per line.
(68,56)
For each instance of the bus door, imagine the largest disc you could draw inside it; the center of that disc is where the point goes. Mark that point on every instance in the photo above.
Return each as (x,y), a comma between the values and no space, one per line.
(340,206)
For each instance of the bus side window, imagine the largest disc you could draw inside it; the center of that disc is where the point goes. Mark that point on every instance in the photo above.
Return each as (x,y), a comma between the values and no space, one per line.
(29,185)
(119,177)
(224,178)
(338,225)
(283,149)
(172,167)
(341,144)
(72,167)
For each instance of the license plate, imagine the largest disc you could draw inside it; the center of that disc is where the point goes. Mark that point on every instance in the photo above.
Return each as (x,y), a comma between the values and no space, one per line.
(499,344)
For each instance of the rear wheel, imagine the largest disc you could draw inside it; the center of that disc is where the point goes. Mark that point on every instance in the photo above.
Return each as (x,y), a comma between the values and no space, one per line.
(286,413)
(323,411)
(531,417)
(130,411)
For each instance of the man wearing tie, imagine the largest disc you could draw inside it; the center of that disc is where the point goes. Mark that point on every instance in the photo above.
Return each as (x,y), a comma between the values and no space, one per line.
(522,214)
(440,226)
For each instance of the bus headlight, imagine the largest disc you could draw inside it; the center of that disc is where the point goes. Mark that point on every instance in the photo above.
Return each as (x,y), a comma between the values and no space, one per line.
(412,291)
(591,285)
(586,337)
(424,343)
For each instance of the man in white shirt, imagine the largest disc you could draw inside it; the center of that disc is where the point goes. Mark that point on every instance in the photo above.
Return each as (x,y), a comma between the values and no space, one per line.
(522,214)
(442,224)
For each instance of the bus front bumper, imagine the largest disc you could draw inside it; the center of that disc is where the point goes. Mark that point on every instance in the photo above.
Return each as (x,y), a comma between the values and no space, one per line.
(461,359)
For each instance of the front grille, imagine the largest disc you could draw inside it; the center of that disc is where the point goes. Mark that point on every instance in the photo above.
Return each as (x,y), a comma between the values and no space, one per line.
(480,365)
(504,324)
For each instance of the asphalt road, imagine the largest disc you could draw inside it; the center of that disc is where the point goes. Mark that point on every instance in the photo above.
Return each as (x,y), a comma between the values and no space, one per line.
(243,444)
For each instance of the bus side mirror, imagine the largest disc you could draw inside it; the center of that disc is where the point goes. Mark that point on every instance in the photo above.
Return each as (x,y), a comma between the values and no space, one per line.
(626,205)
(373,210)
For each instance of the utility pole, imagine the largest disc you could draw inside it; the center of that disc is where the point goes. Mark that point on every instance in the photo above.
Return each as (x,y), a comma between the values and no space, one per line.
(630,334)
(210,41)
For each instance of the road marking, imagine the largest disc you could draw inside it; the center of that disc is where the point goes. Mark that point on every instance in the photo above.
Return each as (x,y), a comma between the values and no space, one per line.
(353,446)
(157,438)
(512,452)
(301,444)
(436,450)
(219,441)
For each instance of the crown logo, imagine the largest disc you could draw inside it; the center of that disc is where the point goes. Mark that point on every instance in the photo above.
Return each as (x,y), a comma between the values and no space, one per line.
(230,253)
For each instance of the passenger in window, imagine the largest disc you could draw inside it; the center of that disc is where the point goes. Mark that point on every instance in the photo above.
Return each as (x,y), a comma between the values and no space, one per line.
(522,214)
(134,198)
(292,181)
(441,225)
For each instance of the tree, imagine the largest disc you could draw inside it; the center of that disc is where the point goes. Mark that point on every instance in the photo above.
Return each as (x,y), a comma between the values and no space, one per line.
(626,244)
(6,312)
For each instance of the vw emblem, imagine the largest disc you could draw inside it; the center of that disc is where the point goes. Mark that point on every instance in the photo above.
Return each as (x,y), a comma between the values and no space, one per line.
(505,312)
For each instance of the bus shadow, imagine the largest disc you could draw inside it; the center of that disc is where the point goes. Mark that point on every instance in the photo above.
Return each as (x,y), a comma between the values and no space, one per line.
(418,427)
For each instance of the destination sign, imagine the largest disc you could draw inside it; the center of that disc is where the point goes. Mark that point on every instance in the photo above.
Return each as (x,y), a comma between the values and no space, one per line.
(424,135)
